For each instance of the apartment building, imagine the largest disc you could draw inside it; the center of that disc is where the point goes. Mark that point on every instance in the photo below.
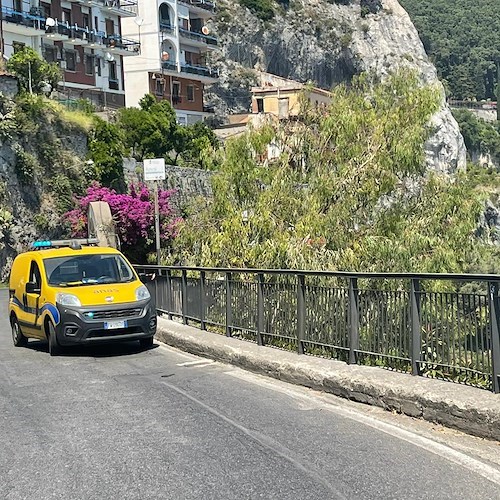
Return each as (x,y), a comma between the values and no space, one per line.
(175,41)
(83,36)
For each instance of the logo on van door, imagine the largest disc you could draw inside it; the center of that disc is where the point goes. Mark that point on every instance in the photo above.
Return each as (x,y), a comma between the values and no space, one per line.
(109,299)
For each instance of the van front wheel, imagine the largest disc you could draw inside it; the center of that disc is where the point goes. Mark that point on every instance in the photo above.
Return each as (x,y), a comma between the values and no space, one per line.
(54,347)
(17,335)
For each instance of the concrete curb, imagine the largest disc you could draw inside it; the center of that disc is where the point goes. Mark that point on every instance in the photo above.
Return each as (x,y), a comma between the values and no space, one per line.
(468,409)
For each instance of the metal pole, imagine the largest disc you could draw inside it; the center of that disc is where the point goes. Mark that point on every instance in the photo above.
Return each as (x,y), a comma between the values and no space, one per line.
(353,320)
(229,309)
(29,78)
(416,336)
(260,308)
(203,325)
(157,224)
(2,43)
(184,297)
(495,334)
(301,313)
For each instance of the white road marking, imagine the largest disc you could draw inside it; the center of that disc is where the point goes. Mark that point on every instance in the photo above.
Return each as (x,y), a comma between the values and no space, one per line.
(313,402)
(200,362)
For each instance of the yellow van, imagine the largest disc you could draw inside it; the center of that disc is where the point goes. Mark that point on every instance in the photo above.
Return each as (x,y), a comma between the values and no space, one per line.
(69,292)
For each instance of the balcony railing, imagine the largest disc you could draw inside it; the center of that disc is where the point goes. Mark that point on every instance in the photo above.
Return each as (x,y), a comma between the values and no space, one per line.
(199,37)
(118,42)
(75,32)
(169,65)
(200,70)
(23,18)
(203,4)
(125,5)
(166,27)
(189,68)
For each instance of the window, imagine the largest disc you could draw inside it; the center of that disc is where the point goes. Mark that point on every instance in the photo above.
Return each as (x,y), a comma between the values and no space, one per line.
(112,71)
(70,58)
(176,93)
(113,75)
(18,5)
(45,9)
(50,53)
(110,27)
(96,23)
(283,108)
(89,64)
(260,105)
(190,93)
(86,20)
(35,276)
(98,65)
(66,16)
(160,86)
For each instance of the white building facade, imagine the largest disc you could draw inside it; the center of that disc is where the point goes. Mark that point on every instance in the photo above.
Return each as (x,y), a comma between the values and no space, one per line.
(172,65)
(83,36)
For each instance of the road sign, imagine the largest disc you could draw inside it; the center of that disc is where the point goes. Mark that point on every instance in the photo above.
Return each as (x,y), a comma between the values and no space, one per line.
(154,169)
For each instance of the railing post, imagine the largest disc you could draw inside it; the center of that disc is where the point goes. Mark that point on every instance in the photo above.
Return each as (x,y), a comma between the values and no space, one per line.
(353,320)
(184,296)
(416,332)
(495,334)
(301,312)
(203,325)
(229,309)
(168,305)
(260,308)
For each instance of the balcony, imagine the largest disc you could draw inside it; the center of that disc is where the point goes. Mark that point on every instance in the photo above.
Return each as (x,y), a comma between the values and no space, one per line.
(202,73)
(200,70)
(166,27)
(204,5)
(22,23)
(123,8)
(198,38)
(122,46)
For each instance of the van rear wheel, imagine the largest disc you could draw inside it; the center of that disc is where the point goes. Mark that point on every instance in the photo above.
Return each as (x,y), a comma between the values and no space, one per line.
(17,335)
(54,347)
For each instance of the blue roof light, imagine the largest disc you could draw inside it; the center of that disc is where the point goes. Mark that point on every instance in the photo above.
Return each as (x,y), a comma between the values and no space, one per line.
(42,244)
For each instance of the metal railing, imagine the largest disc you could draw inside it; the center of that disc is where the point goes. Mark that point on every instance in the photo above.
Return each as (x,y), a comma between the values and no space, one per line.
(203,4)
(23,18)
(439,326)
(199,37)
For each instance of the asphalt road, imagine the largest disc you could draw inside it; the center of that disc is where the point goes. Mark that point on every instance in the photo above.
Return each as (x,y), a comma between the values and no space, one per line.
(114,422)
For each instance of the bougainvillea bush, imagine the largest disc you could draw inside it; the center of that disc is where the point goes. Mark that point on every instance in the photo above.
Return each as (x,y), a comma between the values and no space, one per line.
(133,214)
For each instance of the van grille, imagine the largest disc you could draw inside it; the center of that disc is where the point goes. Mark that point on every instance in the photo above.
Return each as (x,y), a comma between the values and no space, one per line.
(118,313)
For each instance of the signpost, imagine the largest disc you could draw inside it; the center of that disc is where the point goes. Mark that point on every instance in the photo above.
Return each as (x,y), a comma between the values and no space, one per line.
(154,170)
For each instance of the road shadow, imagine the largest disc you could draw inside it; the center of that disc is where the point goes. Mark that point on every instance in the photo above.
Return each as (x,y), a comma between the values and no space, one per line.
(105,350)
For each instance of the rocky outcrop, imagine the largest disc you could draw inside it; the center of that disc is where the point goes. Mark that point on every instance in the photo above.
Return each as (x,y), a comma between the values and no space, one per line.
(328,42)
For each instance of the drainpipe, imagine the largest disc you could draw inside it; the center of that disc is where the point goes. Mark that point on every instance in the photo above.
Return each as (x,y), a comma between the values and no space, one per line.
(177,36)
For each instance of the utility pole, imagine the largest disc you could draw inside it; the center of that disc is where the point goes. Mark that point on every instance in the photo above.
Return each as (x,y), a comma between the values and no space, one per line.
(2,43)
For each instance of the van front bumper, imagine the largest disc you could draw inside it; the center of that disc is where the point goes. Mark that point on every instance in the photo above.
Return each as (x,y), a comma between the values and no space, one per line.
(109,323)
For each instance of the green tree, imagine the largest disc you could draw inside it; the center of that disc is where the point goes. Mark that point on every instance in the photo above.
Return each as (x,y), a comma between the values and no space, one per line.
(106,151)
(349,191)
(32,71)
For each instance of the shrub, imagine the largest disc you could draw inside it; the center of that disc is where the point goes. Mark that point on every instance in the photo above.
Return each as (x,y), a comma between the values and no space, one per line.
(133,213)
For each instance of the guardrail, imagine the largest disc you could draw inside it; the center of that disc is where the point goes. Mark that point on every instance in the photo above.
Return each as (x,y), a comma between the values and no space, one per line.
(442,326)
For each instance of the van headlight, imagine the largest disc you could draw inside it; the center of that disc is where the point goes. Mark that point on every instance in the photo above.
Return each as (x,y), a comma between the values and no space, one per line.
(142,293)
(68,299)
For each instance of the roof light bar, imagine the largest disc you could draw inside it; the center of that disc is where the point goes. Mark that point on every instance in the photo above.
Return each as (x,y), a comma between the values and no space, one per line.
(75,243)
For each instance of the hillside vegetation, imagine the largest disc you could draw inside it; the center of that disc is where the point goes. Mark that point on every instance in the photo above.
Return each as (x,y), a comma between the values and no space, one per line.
(348,192)
(463,39)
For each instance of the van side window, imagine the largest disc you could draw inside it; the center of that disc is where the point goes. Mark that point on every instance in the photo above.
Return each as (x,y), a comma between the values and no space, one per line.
(35,275)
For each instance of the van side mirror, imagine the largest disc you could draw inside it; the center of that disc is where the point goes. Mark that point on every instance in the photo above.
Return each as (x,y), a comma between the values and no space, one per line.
(32,287)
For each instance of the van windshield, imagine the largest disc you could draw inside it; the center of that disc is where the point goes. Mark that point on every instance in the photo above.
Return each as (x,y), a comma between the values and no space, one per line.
(87,270)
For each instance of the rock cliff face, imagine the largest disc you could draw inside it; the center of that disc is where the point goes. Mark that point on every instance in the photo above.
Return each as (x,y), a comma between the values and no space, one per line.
(327,42)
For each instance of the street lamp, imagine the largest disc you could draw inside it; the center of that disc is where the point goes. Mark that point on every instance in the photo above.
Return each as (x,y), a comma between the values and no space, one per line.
(139,21)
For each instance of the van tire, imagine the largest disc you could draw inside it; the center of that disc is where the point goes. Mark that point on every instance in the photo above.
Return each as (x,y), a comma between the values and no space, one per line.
(54,347)
(146,343)
(18,338)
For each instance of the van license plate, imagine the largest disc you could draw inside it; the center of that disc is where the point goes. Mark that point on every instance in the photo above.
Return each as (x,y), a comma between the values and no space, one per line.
(113,325)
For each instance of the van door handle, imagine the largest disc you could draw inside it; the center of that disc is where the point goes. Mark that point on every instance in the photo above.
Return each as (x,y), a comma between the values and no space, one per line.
(25,300)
